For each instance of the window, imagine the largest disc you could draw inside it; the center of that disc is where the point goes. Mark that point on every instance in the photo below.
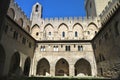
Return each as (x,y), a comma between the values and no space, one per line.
(30,44)
(88,32)
(76,34)
(42,48)
(49,33)
(116,28)
(24,40)
(67,48)
(36,9)
(15,35)
(55,48)
(37,33)
(95,32)
(63,34)
(80,48)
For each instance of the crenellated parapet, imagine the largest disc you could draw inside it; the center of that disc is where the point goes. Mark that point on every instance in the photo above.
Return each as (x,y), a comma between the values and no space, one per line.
(65,19)
(109,10)
(21,11)
(18,15)
(53,28)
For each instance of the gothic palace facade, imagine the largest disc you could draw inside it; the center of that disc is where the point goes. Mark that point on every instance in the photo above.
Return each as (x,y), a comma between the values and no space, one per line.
(78,46)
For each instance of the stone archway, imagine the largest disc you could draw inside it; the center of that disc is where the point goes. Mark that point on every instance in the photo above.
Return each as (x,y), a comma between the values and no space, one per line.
(27,66)
(43,67)
(62,68)
(82,68)
(14,64)
(2,60)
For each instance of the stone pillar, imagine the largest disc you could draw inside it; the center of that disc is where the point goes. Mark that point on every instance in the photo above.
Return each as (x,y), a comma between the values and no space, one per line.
(71,70)
(70,33)
(56,35)
(52,70)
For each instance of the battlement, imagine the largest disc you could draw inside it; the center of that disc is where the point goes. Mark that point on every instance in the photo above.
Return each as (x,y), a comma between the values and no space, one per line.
(21,11)
(82,19)
(109,10)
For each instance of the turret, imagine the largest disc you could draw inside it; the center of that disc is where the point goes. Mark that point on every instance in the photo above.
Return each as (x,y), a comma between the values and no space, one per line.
(36,15)
(95,7)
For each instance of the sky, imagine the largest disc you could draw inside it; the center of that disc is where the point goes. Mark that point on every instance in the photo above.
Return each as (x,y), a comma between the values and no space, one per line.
(55,8)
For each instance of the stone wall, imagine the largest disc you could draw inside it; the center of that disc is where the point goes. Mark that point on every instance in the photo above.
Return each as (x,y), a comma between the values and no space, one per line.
(15,42)
(54,54)
(106,46)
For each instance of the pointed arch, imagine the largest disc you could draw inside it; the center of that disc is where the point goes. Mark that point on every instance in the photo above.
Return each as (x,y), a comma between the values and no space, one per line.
(35,31)
(27,66)
(82,67)
(77,24)
(2,59)
(36,8)
(43,67)
(48,25)
(92,23)
(64,25)
(62,68)
(77,29)
(36,25)
(11,13)
(63,28)
(91,30)
(28,28)
(20,22)
(15,62)
(49,31)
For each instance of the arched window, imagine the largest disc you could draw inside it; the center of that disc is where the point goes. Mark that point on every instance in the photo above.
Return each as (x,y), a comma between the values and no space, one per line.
(88,32)
(20,22)
(36,9)
(11,13)
(42,48)
(49,33)
(95,32)
(80,48)
(67,48)
(63,34)
(55,48)
(37,33)
(76,34)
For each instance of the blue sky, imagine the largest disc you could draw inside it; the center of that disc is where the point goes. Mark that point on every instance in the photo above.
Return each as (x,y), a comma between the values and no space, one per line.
(55,8)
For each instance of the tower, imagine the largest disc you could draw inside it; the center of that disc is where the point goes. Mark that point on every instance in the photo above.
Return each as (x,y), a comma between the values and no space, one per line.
(36,15)
(95,7)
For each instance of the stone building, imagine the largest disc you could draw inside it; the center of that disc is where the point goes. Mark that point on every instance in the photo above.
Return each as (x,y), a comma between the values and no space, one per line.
(62,46)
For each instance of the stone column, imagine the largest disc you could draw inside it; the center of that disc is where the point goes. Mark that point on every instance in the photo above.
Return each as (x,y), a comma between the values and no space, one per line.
(71,70)
(52,70)
(56,35)
(70,33)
